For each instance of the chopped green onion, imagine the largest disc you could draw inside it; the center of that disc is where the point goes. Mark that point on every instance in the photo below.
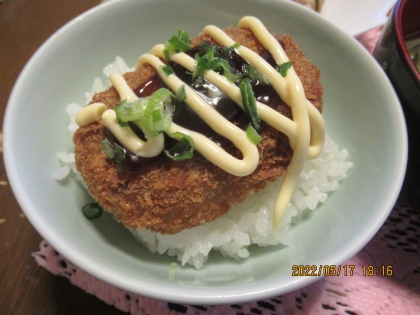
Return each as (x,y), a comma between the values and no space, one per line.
(92,211)
(227,51)
(203,64)
(219,65)
(158,113)
(113,151)
(212,60)
(131,111)
(283,68)
(180,97)
(181,94)
(252,135)
(166,54)
(122,124)
(183,36)
(249,103)
(108,149)
(255,75)
(233,77)
(167,69)
(120,153)
(206,46)
(153,114)
(183,149)
(178,43)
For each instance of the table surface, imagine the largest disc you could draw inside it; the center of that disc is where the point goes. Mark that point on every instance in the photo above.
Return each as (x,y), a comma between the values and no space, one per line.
(26,288)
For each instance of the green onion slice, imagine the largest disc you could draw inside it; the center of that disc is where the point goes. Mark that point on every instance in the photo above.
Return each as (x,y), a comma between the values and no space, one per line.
(181,94)
(183,36)
(108,148)
(283,68)
(178,43)
(113,151)
(183,149)
(249,103)
(214,60)
(153,114)
(233,77)
(167,69)
(219,65)
(166,54)
(92,211)
(120,153)
(252,135)
(255,75)
(131,111)
(206,46)
(227,51)
(203,64)
(158,113)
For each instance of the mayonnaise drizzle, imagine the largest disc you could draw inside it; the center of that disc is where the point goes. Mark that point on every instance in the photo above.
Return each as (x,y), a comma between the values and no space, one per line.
(306,132)
(294,95)
(216,121)
(90,114)
(97,111)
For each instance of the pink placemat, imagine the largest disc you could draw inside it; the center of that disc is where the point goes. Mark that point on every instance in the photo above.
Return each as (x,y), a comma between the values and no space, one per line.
(396,246)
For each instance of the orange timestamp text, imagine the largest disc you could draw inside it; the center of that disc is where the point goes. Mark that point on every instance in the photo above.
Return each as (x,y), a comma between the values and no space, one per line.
(337,270)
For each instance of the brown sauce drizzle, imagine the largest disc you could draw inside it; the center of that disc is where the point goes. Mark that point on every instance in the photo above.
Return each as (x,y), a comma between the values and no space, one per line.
(188,118)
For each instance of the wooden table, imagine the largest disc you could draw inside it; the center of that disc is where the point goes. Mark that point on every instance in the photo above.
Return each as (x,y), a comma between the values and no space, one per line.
(26,288)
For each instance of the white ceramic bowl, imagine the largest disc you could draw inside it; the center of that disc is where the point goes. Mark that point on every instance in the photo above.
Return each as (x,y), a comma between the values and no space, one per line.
(362,114)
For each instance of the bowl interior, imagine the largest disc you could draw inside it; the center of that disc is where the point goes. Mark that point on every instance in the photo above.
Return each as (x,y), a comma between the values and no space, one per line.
(362,114)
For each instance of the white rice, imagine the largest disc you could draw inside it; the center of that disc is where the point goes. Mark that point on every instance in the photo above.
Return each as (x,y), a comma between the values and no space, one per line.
(245,224)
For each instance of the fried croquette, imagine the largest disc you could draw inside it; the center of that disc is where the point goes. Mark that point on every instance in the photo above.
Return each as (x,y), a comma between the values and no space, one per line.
(171,196)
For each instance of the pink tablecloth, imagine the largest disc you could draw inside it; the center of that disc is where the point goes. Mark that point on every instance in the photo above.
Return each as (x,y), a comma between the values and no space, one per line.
(396,245)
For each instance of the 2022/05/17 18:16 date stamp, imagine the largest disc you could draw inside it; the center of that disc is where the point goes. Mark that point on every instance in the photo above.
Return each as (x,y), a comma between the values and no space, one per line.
(343,270)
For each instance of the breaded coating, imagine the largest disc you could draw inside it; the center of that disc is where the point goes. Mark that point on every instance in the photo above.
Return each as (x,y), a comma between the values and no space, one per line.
(174,196)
